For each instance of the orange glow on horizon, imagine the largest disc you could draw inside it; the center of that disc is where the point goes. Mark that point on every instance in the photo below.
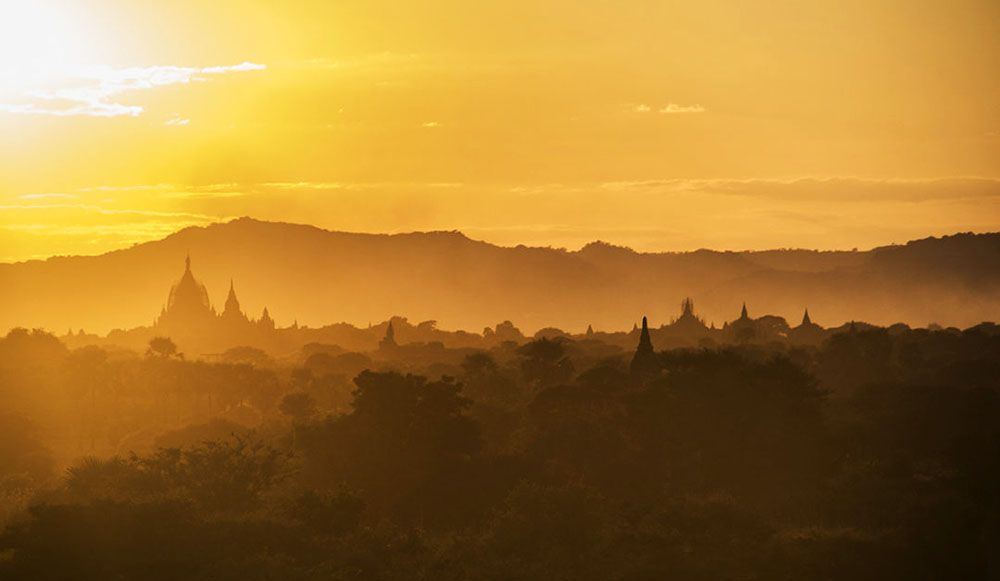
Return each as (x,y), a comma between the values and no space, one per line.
(659,126)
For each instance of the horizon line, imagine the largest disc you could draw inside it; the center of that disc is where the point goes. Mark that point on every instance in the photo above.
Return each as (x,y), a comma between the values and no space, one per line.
(226,221)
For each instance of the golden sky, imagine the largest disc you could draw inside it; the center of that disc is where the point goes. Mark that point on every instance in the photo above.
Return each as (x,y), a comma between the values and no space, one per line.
(656,124)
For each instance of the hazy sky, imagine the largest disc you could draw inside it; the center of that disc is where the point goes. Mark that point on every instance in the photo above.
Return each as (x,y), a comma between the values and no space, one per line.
(656,124)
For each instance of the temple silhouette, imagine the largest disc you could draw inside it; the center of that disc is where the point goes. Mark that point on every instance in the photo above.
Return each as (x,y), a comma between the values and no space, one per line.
(189,319)
(188,314)
(644,361)
(688,330)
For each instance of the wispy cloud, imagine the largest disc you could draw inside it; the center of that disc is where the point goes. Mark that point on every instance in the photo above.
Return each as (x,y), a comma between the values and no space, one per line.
(305,186)
(199,194)
(821,212)
(674,108)
(380,60)
(96,91)
(47,197)
(177,122)
(828,188)
(393,64)
(668,109)
(93,208)
(128,188)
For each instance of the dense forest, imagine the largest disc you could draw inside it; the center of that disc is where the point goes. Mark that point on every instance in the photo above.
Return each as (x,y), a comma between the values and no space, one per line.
(874,455)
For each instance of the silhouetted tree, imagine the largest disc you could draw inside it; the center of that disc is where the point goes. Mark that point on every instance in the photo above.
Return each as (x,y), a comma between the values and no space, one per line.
(544,363)
(299,406)
(162,347)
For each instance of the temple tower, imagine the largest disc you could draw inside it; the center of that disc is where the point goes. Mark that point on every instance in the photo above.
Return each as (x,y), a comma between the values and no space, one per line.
(232,312)
(644,361)
(389,341)
(187,307)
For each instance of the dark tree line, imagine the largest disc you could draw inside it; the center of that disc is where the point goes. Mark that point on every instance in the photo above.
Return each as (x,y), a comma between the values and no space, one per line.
(873,456)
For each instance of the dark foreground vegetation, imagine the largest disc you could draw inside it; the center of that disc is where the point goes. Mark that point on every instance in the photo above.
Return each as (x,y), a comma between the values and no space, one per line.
(874,456)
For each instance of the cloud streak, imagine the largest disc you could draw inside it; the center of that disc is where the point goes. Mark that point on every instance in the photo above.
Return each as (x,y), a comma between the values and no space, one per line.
(826,188)
(674,108)
(668,109)
(56,196)
(650,215)
(97,91)
(95,209)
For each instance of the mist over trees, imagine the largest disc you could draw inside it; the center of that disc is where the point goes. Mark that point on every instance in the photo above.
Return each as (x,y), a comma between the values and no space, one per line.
(319,277)
(870,454)
(219,444)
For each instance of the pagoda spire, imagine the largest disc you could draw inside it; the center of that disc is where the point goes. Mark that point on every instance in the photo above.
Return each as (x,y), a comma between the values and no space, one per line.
(232,309)
(743,313)
(389,341)
(187,307)
(232,291)
(805,318)
(266,321)
(644,361)
(645,343)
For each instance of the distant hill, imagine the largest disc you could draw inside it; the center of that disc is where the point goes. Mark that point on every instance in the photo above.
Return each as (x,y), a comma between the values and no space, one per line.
(320,277)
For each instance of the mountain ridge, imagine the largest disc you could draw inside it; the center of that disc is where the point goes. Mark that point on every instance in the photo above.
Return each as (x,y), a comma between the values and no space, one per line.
(590,246)
(318,276)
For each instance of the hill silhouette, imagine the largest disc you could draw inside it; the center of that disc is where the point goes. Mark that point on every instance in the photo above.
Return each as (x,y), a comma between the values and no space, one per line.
(318,277)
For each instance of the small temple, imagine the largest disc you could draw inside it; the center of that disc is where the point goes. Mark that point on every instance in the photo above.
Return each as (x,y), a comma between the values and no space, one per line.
(688,324)
(807,333)
(744,329)
(388,343)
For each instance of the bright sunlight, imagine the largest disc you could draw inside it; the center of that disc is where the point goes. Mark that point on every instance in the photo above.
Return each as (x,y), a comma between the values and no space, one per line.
(42,42)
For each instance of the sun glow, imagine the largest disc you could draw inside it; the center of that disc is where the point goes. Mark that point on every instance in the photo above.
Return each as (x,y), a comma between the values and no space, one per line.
(655,125)
(41,42)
